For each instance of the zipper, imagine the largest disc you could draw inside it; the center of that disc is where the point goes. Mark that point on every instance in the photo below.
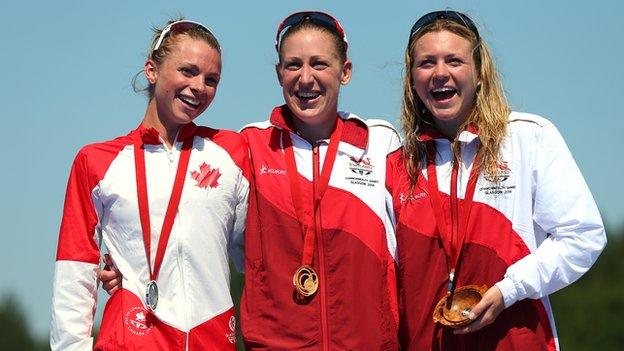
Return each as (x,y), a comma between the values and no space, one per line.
(321,250)
(180,258)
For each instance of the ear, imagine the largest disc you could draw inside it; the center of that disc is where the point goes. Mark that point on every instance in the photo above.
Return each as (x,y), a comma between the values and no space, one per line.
(347,70)
(278,73)
(150,69)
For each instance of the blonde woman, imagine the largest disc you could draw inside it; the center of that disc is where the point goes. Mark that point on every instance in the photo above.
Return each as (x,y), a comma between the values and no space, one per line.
(490,203)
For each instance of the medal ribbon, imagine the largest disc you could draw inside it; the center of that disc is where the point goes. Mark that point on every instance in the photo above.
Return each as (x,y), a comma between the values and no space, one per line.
(454,242)
(172,207)
(308,227)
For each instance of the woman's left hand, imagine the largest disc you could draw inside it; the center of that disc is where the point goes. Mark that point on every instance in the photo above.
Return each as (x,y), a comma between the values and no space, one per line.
(485,312)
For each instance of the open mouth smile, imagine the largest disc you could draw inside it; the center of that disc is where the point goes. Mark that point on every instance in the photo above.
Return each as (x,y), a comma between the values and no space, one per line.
(189,100)
(443,94)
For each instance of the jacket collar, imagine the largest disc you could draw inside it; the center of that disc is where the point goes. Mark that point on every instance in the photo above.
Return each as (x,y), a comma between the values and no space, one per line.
(151,135)
(354,138)
(430,132)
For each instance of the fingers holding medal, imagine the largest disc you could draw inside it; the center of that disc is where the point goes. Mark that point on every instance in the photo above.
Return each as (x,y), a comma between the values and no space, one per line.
(453,309)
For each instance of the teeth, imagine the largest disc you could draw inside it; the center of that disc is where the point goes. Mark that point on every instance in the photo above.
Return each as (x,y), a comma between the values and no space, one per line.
(442,90)
(189,100)
(307,95)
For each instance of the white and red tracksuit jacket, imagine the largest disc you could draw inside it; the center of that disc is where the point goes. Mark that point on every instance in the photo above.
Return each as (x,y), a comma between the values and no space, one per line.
(195,311)
(534,232)
(355,307)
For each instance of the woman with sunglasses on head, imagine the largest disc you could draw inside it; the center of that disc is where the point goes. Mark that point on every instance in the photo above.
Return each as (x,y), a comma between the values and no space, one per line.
(168,201)
(319,243)
(493,213)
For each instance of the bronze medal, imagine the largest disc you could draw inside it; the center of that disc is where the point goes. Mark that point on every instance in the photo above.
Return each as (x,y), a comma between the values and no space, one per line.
(453,309)
(306,281)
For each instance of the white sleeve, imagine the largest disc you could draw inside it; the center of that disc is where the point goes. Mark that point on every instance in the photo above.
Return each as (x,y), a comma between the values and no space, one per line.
(236,245)
(77,261)
(564,208)
(73,305)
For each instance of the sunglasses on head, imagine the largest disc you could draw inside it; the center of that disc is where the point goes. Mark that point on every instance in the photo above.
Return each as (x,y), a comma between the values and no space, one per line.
(176,26)
(453,16)
(316,17)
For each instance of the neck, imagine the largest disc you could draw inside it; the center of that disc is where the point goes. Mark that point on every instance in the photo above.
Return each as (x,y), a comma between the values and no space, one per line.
(167,131)
(449,129)
(315,132)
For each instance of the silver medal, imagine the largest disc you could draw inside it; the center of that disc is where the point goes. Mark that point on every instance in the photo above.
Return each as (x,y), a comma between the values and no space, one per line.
(151,295)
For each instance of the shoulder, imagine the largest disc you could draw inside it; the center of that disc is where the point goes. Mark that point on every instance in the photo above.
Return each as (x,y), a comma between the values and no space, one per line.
(522,124)
(527,120)
(371,123)
(256,126)
(93,160)
(232,142)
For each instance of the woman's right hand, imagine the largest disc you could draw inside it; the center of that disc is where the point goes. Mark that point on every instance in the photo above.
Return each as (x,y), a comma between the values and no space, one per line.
(109,276)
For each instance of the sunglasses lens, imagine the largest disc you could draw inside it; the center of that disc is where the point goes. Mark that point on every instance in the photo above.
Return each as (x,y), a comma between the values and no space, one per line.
(456,17)
(319,18)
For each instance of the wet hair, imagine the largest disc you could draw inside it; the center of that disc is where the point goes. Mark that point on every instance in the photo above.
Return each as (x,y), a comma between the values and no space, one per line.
(339,44)
(159,55)
(489,113)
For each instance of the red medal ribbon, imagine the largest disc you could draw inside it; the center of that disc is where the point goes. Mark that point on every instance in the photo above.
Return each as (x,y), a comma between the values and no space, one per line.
(454,242)
(174,200)
(308,228)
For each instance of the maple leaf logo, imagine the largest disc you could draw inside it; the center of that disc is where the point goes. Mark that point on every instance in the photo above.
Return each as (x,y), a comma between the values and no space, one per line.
(207,176)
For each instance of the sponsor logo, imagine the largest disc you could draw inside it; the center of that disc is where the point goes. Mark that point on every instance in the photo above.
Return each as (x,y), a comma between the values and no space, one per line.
(503,173)
(362,166)
(496,188)
(411,197)
(135,321)
(207,176)
(232,335)
(264,169)
(360,172)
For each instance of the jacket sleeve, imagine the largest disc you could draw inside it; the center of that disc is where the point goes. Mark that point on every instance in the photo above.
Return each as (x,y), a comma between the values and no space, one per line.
(77,258)
(565,210)
(236,246)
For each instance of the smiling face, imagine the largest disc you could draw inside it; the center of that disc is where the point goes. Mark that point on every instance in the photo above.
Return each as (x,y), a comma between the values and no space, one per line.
(185,83)
(445,78)
(310,72)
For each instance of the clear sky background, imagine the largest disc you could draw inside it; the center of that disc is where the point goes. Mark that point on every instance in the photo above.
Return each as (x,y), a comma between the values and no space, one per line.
(66,68)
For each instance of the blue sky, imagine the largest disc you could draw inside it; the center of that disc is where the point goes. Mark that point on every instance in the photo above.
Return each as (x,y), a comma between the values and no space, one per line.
(67,67)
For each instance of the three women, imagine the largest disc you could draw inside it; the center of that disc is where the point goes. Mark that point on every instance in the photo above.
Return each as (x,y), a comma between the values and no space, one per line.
(485,199)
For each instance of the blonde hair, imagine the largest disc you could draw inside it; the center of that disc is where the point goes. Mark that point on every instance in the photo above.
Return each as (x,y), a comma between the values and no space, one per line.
(159,55)
(489,113)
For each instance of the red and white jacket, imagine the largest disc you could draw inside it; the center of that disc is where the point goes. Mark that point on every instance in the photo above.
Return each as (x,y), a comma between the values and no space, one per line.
(531,233)
(195,310)
(355,307)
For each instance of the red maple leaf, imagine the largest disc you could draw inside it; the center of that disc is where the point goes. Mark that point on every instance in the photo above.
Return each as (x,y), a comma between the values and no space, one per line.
(206,177)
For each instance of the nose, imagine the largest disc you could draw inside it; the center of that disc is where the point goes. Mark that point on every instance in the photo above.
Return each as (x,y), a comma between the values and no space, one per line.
(307,75)
(440,71)
(198,85)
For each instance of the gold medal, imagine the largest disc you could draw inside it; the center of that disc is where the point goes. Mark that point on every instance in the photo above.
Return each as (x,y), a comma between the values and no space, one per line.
(453,309)
(305,281)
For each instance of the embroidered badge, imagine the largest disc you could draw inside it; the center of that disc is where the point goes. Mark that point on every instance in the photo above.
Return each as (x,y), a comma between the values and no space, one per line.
(232,334)
(361,172)
(207,176)
(136,321)
(362,166)
(264,169)
(493,188)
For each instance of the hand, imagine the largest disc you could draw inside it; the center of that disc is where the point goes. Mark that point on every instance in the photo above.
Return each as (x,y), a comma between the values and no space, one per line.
(109,276)
(485,312)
